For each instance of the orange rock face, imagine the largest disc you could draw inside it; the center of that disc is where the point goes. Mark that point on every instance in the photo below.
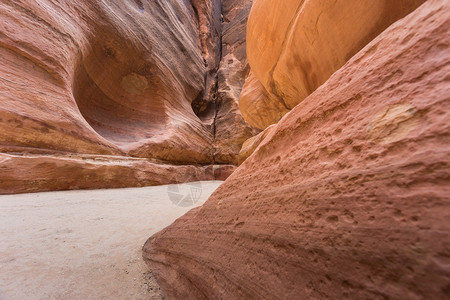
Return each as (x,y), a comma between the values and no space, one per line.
(123,78)
(348,196)
(295,46)
(258,107)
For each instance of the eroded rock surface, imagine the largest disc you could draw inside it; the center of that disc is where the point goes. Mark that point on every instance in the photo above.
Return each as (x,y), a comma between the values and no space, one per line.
(295,45)
(347,197)
(128,79)
(100,79)
(231,129)
(253,143)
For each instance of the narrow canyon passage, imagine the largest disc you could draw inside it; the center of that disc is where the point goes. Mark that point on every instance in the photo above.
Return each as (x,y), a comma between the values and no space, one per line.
(326,120)
(86,244)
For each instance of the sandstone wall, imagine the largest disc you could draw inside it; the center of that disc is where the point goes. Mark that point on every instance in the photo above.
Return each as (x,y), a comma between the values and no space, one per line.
(258,107)
(99,79)
(295,46)
(127,79)
(347,197)
(231,130)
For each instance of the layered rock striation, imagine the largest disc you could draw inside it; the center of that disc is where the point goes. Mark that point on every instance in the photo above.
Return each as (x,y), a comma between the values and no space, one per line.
(119,79)
(346,197)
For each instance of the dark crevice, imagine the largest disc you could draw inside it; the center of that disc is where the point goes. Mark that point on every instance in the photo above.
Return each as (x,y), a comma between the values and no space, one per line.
(203,110)
(216,87)
(140,5)
(206,105)
(216,110)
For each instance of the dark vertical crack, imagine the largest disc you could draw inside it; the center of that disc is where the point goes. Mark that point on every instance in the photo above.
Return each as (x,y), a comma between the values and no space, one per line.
(216,87)
(206,106)
(216,111)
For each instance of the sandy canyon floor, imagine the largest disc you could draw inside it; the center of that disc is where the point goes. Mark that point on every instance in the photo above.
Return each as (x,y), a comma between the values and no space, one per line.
(87,244)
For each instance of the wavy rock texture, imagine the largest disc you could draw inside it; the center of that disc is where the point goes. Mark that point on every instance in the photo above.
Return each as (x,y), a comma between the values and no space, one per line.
(100,79)
(295,46)
(348,197)
(115,78)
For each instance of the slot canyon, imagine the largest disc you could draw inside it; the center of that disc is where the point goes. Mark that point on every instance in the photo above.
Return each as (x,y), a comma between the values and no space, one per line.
(225,149)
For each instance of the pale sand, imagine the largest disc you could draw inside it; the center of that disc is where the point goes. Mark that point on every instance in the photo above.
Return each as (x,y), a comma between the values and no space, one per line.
(84,244)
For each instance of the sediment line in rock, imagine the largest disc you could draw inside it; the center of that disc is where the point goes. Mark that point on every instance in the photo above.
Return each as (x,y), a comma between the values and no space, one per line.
(69,172)
(118,78)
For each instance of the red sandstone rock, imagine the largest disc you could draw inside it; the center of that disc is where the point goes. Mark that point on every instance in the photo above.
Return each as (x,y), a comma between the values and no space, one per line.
(222,172)
(252,144)
(52,173)
(119,78)
(348,197)
(102,78)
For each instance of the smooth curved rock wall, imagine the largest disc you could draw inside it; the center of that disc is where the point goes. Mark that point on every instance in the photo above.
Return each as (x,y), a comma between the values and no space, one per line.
(296,45)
